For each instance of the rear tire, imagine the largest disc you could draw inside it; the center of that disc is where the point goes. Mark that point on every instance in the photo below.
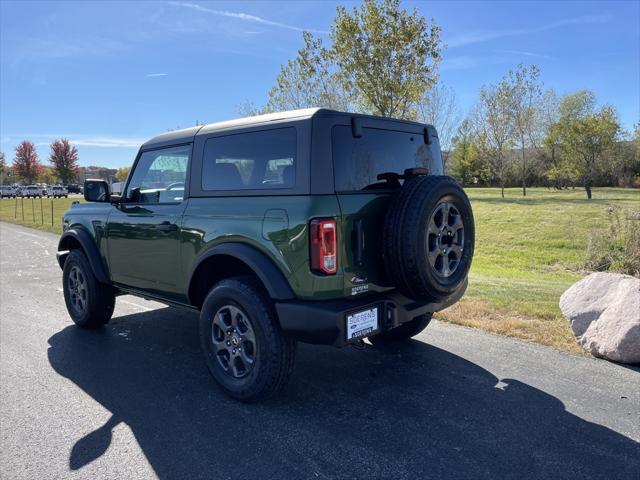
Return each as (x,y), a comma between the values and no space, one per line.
(403,332)
(244,348)
(90,303)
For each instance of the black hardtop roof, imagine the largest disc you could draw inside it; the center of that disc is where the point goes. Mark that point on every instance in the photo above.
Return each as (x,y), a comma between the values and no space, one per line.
(186,135)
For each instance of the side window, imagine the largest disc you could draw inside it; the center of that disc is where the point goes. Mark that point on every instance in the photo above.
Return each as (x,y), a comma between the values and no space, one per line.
(159,176)
(258,160)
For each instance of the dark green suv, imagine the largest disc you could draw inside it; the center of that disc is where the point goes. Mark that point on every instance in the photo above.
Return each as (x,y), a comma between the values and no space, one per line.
(313,225)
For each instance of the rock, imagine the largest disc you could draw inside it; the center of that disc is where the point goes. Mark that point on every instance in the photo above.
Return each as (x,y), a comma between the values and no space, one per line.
(603,310)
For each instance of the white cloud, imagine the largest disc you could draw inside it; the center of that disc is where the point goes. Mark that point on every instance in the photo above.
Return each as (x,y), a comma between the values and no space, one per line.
(465,62)
(83,140)
(523,53)
(244,16)
(483,36)
(108,142)
(157,74)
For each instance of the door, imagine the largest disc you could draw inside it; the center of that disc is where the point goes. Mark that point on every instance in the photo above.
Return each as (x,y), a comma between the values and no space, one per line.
(143,231)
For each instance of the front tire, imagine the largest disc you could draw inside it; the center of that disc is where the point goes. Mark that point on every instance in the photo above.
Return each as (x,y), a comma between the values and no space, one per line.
(403,332)
(244,348)
(90,304)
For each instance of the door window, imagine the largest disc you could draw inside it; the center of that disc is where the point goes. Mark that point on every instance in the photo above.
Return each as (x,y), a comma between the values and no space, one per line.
(159,176)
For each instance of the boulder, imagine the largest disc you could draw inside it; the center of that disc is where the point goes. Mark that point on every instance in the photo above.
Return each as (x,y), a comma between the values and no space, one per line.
(603,310)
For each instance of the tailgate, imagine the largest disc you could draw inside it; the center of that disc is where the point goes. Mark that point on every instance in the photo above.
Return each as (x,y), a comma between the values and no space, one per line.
(361,222)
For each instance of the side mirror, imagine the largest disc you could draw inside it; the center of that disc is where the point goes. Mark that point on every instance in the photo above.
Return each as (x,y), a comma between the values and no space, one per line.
(96,191)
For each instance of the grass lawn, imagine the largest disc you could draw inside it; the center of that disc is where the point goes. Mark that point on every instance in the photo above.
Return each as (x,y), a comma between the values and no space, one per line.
(528,251)
(31,212)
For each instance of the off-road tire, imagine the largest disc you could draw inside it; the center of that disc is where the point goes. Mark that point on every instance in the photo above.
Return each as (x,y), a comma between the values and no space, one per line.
(274,351)
(99,298)
(405,236)
(403,332)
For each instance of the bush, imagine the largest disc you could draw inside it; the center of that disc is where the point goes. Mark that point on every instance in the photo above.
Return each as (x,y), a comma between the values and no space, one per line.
(616,248)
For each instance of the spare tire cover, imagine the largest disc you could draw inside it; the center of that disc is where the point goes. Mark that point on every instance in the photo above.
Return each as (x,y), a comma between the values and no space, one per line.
(428,237)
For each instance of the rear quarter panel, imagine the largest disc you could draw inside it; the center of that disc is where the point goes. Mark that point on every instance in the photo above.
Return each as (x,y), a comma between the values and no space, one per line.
(275,225)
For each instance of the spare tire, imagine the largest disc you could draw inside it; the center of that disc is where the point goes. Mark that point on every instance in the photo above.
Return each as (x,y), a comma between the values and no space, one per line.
(428,237)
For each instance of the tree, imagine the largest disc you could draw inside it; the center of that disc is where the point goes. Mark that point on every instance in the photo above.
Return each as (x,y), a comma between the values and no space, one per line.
(47,175)
(493,121)
(25,163)
(64,158)
(586,135)
(3,168)
(525,92)
(439,107)
(466,164)
(309,80)
(388,57)
(122,173)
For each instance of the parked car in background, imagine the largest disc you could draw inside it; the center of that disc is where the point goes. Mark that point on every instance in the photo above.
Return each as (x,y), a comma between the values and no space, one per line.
(116,188)
(73,188)
(7,191)
(32,191)
(57,191)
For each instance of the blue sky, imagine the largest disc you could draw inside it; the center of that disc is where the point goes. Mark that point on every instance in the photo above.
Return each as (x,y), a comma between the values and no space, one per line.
(109,75)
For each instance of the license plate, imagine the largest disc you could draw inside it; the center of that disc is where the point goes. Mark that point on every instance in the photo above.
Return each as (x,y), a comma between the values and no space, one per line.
(362,323)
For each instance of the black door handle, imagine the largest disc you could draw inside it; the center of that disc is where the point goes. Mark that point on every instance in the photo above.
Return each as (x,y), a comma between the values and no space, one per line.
(167,227)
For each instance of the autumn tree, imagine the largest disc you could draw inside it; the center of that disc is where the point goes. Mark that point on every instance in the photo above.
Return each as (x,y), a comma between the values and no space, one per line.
(122,173)
(25,163)
(3,168)
(47,175)
(64,159)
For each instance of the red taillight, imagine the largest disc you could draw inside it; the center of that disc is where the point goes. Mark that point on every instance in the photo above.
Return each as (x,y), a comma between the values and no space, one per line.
(323,246)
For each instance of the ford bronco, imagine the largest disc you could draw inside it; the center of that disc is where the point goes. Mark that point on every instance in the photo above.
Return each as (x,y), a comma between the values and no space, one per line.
(312,225)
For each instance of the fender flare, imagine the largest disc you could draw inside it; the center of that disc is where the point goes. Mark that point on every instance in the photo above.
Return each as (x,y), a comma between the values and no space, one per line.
(90,250)
(269,274)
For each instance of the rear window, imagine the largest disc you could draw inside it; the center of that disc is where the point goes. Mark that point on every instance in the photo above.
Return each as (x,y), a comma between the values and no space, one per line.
(357,161)
(258,160)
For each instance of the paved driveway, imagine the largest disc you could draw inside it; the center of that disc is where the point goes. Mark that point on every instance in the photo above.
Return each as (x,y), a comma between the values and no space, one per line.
(134,400)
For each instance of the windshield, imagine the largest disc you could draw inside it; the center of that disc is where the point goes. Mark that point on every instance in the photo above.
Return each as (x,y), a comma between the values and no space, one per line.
(360,163)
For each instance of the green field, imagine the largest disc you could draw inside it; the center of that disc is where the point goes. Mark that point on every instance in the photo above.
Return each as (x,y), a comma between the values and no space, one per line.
(528,251)
(36,212)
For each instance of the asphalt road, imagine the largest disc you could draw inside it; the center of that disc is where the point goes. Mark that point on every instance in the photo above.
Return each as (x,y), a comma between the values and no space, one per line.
(135,400)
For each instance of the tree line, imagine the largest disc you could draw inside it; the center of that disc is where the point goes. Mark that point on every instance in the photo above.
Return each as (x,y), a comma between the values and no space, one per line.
(384,60)
(27,167)
(63,166)
(519,134)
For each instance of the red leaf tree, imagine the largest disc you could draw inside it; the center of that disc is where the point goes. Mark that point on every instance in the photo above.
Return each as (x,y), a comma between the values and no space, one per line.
(25,163)
(64,158)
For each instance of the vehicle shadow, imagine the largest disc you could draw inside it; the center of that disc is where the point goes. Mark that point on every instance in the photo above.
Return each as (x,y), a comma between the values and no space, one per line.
(411,412)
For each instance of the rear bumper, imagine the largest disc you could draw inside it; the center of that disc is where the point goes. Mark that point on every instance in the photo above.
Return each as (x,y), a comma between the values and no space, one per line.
(324,322)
